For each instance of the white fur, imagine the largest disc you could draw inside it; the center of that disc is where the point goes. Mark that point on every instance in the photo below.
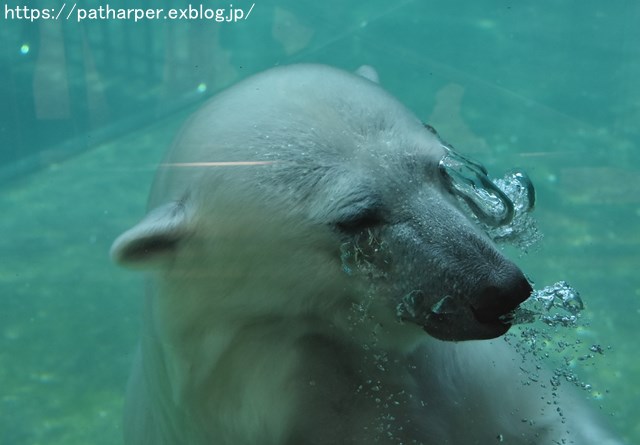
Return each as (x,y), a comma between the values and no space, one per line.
(254,331)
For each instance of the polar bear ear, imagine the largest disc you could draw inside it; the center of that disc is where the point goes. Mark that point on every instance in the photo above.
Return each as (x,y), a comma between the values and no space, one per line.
(368,72)
(154,239)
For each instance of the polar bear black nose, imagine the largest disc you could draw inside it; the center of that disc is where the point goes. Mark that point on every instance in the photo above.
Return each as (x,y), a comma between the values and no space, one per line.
(501,296)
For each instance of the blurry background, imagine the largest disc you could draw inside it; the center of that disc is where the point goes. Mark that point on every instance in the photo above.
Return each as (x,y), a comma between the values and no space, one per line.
(87,110)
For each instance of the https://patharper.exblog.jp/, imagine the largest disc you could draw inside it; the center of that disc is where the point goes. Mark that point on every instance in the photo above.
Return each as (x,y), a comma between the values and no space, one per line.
(72,11)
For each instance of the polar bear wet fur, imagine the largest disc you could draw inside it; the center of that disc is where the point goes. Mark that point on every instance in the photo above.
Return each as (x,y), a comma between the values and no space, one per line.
(293,216)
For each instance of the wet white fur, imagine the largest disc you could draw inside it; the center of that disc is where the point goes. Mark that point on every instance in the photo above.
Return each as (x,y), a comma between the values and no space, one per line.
(254,334)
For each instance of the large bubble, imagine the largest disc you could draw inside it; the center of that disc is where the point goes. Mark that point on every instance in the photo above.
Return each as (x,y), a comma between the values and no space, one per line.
(502,206)
(550,330)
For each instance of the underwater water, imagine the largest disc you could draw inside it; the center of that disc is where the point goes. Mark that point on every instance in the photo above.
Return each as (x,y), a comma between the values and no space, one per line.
(547,87)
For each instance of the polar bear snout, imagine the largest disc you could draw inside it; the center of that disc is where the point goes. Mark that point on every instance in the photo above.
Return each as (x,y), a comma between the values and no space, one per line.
(494,303)
(482,310)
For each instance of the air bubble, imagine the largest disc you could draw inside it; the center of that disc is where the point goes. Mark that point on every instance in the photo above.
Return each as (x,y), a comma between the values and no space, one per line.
(502,207)
(555,305)
(469,181)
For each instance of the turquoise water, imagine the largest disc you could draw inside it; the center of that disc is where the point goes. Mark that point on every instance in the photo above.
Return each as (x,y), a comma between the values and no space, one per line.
(549,86)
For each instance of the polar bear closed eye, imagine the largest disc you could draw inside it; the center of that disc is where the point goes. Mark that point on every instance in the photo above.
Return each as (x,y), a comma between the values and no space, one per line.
(307,258)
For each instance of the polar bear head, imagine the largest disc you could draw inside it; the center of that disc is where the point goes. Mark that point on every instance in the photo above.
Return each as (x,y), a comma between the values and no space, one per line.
(306,191)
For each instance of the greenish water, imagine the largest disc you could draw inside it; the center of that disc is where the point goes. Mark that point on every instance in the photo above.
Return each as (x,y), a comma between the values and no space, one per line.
(547,86)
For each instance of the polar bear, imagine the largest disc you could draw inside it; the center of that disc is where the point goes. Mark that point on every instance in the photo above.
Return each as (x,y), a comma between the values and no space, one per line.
(314,280)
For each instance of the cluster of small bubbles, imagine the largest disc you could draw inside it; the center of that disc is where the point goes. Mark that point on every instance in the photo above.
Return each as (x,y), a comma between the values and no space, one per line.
(359,254)
(361,310)
(346,257)
(560,320)
(531,422)
(559,297)
(389,427)
(547,324)
(571,377)
(358,259)
(381,361)
(385,425)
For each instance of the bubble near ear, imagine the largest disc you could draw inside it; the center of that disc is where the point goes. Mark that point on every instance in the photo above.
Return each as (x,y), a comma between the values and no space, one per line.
(152,240)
